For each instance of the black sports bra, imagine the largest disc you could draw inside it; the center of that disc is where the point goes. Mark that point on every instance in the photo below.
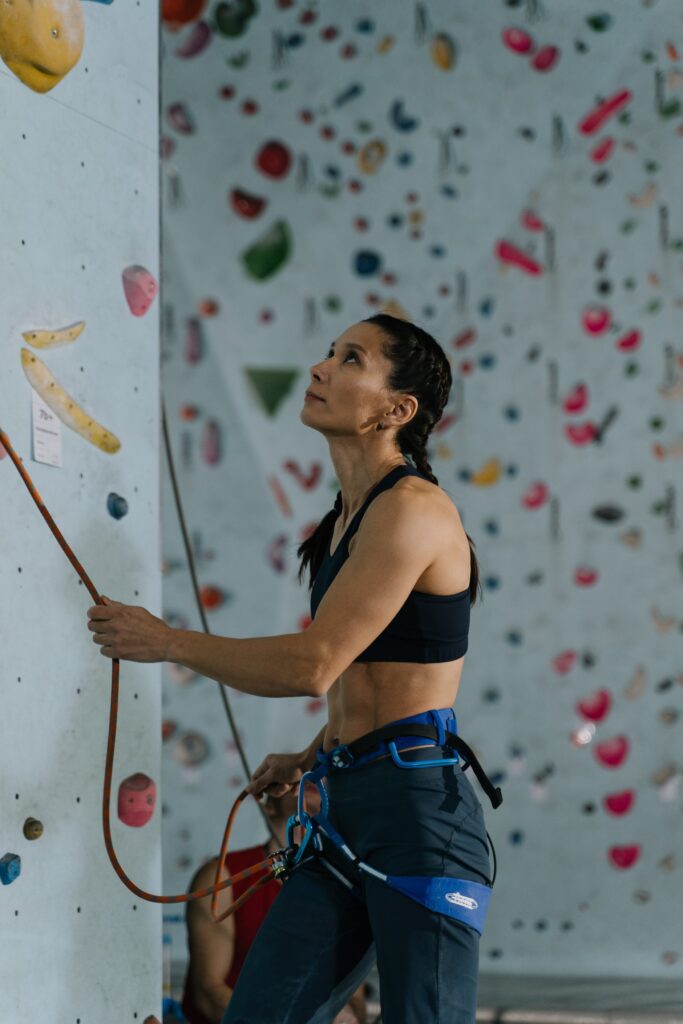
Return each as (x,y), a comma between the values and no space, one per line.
(428,627)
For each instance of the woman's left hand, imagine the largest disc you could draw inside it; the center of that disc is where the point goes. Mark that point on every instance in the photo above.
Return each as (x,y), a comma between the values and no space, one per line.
(128,631)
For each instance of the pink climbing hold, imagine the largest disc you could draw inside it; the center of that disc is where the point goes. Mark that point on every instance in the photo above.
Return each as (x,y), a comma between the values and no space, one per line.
(603,150)
(595,707)
(198,40)
(630,341)
(563,662)
(585,576)
(140,288)
(619,803)
(596,319)
(624,856)
(509,253)
(194,348)
(536,496)
(137,800)
(576,400)
(611,753)
(581,433)
(517,40)
(546,59)
(594,120)
(531,221)
(179,117)
(211,443)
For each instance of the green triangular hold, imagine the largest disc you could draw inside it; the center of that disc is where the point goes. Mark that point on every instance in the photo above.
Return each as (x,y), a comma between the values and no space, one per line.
(270,385)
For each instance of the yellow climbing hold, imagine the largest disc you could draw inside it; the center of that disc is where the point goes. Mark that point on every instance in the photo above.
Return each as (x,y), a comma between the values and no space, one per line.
(52,339)
(443,51)
(64,406)
(41,40)
(385,44)
(490,473)
(371,156)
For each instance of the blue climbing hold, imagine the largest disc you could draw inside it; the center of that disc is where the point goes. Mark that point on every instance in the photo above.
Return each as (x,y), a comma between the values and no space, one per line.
(10,868)
(116,506)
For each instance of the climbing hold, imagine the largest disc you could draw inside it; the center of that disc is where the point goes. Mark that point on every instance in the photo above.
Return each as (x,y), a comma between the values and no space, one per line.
(211,597)
(211,443)
(517,40)
(117,507)
(400,119)
(41,40)
(194,344)
(546,59)
(269,253)
(10,868)
(197,41)
(619,803)
(595,707)
(191,749)
(180,12)
(180,118)
(52,339)
(604,110)
(168,728)
(270,386)
(140,288)
(188,413)
(63,405)
(611,753)
(371,156)
(247,205)
(208,307)
(232,18)
(33,829)
(367,262)
(137,799)
(624,856)
(511,254)
(443,51)
(273,159)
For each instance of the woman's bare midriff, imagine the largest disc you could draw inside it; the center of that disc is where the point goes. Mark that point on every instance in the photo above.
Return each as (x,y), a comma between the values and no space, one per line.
(371,694)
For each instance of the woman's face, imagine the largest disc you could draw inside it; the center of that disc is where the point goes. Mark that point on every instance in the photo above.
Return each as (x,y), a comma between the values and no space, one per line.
(351,383)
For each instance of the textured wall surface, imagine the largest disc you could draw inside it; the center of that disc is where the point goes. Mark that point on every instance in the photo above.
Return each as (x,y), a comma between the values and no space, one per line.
(80,198)
(509,175)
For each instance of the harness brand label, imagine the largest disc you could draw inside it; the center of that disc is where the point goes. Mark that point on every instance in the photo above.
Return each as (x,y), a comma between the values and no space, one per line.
(462,901)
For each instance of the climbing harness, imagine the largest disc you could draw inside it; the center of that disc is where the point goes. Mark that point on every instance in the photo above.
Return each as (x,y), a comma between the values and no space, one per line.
(460,898)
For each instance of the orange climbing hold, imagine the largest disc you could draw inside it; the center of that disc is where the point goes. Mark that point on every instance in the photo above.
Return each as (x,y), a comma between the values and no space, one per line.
(41,40)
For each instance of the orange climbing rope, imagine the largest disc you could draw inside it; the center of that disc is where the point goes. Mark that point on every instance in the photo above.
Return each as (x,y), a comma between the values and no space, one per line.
(274,863)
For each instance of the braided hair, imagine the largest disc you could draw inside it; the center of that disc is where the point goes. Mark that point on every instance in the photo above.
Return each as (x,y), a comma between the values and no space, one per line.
(419,367)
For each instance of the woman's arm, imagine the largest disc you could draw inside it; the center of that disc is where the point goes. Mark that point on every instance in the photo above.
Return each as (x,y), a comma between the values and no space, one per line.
(269,666)
(401,536)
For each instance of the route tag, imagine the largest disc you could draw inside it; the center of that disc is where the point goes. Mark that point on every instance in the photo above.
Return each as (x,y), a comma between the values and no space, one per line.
(47,433)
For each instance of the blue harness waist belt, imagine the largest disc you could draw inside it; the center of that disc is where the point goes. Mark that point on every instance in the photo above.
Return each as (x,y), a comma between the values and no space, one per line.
(459,898)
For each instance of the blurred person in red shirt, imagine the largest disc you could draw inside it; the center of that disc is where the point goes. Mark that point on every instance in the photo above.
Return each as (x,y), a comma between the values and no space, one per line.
(218,950)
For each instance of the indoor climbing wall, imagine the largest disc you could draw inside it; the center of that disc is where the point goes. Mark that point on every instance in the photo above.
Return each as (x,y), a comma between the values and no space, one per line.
(508,175)
(79,401)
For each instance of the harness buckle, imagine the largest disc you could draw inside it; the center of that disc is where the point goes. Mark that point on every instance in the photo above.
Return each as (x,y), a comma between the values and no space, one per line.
(341,757)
